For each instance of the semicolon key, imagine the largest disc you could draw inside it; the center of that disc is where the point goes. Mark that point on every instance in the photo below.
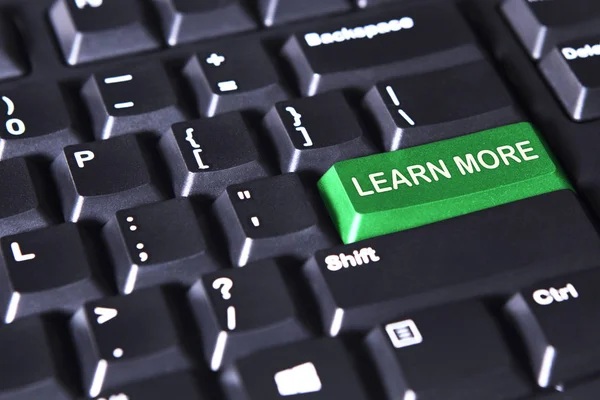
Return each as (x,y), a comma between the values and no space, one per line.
(399,190)
(132,99)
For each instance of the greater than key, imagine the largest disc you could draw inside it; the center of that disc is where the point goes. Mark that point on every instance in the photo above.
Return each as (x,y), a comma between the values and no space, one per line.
(391,192)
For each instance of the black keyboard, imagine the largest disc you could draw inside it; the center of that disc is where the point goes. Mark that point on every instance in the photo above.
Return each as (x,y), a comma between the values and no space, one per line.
(299,199)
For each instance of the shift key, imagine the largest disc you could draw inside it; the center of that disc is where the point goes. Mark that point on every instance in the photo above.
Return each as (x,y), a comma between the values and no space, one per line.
(355,52)
(391,192)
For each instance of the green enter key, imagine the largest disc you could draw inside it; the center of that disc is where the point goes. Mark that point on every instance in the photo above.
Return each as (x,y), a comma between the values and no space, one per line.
(391,192)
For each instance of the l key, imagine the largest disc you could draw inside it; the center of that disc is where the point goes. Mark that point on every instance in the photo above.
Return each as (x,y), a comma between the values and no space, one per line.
(131,100)
(332,55)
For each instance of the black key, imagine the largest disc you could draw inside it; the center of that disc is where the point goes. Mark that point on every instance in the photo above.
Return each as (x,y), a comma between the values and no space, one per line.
(185,21)
(36,121)
(269,217)
(47,269)
(439,105)
(571,70)
(317,369)
(234,76)
(97,179)
(243,310)
(121,340)
(207,155)
(371,3)
(548,314)
(540,24)
(32,362)
(158,243)
(134,99)
(357,51)
(182,385)
(23,200)
(275,12)
(11,63)
(311,134)
(91,30)
(487,252)
(453,352)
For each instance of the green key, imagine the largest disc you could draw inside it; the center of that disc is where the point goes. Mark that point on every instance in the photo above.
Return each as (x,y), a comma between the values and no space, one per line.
(391,192)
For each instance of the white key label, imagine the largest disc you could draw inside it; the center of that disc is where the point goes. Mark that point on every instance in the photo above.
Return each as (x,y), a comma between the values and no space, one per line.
(545,297)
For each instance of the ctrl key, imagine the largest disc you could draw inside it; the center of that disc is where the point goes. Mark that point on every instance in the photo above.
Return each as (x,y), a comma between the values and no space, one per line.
(453,352)
(558,320)
(318,369)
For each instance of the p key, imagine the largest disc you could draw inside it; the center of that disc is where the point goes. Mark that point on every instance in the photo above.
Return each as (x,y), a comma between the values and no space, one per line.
(556,319)
(92,182)
(131,100)
(90,30)
(235,76)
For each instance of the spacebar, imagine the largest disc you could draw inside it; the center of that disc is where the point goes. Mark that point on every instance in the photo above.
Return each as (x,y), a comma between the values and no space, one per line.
(494,251)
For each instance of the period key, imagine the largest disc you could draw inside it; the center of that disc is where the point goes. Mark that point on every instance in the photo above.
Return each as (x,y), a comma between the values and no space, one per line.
(391,192)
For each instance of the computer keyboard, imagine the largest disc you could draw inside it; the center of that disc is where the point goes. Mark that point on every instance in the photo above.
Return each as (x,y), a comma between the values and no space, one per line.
(313,200)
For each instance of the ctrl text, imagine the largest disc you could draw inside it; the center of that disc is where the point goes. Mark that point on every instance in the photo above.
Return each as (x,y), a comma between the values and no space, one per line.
(545,297)
(360,257)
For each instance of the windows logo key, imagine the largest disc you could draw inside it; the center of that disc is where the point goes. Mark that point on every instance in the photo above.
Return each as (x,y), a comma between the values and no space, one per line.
(404,333)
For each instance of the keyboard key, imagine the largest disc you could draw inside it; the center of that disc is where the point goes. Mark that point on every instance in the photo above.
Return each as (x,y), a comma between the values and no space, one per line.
(47,270)
(182,385)
(92,182)
(158,243)
(453,352)
(207,155)
(371,3)
(275,12)
(469,98)
(11,63)
(243,310)
(269,217)
(400,190)
(23,197)
(547,315)
(134,99)
(31,363)
(185,21)
(540,24)
(489,252)
(121,340)
(570,69)
(237,75)
(36,122)
(311,134)
(317,369)
(91,30)
(355,52)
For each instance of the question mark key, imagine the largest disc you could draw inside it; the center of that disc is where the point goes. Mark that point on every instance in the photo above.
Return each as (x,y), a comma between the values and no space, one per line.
(252,305)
